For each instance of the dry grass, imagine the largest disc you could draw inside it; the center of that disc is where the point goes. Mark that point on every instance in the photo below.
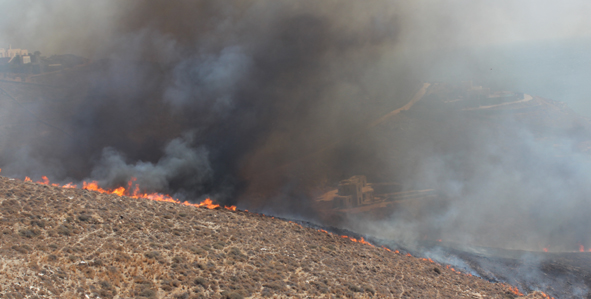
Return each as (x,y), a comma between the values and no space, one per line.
(70,243)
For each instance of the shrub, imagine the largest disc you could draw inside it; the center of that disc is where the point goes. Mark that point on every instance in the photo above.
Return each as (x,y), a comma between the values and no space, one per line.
(29,233)
(152,254)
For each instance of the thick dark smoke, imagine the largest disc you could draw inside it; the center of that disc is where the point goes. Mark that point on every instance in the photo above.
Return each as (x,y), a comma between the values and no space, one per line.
(214,98)
(266,104)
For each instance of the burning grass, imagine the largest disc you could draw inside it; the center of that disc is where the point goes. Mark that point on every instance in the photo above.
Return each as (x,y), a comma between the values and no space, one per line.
(67,242)
(132,190)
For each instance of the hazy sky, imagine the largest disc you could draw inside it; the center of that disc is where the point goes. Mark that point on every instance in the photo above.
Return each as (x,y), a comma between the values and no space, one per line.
(95,28)
(74,26)
(475,23)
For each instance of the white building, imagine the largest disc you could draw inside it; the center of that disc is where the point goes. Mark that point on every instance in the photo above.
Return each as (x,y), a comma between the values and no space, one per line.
(10,52)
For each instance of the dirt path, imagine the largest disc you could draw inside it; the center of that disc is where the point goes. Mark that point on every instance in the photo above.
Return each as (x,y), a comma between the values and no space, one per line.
(526,98)
(419,95)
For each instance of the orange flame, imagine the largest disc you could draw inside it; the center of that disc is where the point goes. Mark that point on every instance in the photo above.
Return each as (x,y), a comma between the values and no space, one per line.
(206,203)
(362,241)
(44,181)
(131,191)
(70,185)
(515,291)
(546,295)
(293,223)
(122,191)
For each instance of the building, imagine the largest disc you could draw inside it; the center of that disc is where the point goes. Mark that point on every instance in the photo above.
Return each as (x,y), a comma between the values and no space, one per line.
(11,53)
(353,192)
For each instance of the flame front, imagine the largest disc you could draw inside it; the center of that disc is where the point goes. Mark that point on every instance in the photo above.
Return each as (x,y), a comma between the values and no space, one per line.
(206,203)
(132,190)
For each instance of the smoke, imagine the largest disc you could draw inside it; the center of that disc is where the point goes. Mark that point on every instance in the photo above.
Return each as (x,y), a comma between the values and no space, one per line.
(267,104)
(502,181)
(188,167)
(257,85)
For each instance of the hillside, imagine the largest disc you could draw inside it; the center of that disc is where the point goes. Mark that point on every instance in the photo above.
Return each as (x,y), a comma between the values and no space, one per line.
(72,243)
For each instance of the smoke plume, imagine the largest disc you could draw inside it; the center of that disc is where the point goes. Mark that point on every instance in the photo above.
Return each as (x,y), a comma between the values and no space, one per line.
(267,104)
(256,84)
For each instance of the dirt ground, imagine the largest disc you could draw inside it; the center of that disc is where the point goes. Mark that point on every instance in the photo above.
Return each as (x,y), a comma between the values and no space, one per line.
(72,243)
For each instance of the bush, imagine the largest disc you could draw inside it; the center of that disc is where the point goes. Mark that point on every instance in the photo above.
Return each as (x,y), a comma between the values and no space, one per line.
(29,233)
(147,293)
(24,249)
(64,230)
(231,295)
(201,281)
(152,254)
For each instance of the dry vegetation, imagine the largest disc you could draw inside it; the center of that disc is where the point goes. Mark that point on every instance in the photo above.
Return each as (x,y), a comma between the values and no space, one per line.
(72,243)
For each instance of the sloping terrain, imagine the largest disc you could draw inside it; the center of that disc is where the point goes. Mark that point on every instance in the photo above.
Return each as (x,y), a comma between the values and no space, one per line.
(73,243)
(562,274)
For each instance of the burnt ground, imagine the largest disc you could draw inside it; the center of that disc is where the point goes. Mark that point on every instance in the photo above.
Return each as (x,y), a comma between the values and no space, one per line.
(563,275)
(72,243)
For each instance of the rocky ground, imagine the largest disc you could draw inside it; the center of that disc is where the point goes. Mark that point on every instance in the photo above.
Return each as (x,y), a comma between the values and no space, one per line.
(73,243)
